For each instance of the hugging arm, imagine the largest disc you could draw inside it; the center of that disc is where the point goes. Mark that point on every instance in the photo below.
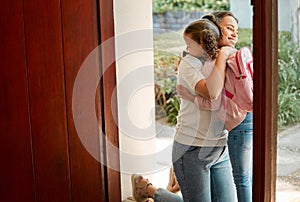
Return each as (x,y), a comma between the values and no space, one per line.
(201,102)
(212,86)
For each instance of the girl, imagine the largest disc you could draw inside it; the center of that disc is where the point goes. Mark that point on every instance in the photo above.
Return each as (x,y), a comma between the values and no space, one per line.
(200,157)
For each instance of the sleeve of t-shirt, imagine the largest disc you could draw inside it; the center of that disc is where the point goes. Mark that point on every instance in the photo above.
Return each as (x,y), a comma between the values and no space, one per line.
(190,73)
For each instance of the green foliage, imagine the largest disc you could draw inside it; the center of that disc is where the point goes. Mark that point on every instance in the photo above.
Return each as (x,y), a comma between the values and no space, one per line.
(165,66)
(165,70)
(245,38)
(161,6)
(172,109)
(288,81)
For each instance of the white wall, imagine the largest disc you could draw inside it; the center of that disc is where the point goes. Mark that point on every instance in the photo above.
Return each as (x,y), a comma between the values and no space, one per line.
(243,10)
(135,87)
(295,19)
(284,16)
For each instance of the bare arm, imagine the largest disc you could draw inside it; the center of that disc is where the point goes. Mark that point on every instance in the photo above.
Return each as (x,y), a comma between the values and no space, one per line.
(201,102)
(184,93)
(207,104)
(212,86)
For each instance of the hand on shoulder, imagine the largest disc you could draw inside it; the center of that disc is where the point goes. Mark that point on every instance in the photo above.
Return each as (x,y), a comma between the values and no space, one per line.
(227,51)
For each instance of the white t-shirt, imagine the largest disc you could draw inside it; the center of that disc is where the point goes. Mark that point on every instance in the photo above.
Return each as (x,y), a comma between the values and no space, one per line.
(197,127)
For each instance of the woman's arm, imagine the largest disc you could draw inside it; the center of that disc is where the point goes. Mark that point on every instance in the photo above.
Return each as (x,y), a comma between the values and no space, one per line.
(201,102)
(212,86)
(184,93)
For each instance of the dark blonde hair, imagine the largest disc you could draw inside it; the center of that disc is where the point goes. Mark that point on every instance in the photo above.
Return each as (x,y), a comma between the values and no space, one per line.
(205,33)
(217,16)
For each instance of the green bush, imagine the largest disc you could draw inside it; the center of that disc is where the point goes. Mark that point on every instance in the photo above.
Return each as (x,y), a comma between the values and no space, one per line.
(288,81)
(172,109)
(161,6)
(165,66)
(165,71)
(245,38)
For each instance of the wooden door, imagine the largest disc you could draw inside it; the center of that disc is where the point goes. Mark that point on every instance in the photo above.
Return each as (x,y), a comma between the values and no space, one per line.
(43,46)
(265,41)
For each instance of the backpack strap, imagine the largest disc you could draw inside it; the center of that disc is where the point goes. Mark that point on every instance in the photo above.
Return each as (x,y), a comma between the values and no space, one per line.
(228,94)
(249,67)
(239,67)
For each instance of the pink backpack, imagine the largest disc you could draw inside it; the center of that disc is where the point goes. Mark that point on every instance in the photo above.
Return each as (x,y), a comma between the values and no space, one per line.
(239,79)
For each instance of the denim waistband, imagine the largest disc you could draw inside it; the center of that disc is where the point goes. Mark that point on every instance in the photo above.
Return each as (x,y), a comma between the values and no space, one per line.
(248,118)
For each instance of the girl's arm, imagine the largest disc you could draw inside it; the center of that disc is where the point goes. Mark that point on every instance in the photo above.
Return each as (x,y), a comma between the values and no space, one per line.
(212,86)
(201,102)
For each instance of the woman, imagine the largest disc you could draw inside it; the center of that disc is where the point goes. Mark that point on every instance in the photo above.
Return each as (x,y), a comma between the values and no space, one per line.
(240,125)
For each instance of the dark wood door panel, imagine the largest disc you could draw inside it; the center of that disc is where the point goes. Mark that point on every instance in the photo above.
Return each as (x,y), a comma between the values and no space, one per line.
(110,111)
(43,47)
(43,33)
(16,170)
(80,38)
(265,48)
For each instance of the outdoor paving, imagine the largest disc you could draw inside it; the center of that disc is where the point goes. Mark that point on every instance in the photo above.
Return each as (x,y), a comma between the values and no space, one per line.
(288,165)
